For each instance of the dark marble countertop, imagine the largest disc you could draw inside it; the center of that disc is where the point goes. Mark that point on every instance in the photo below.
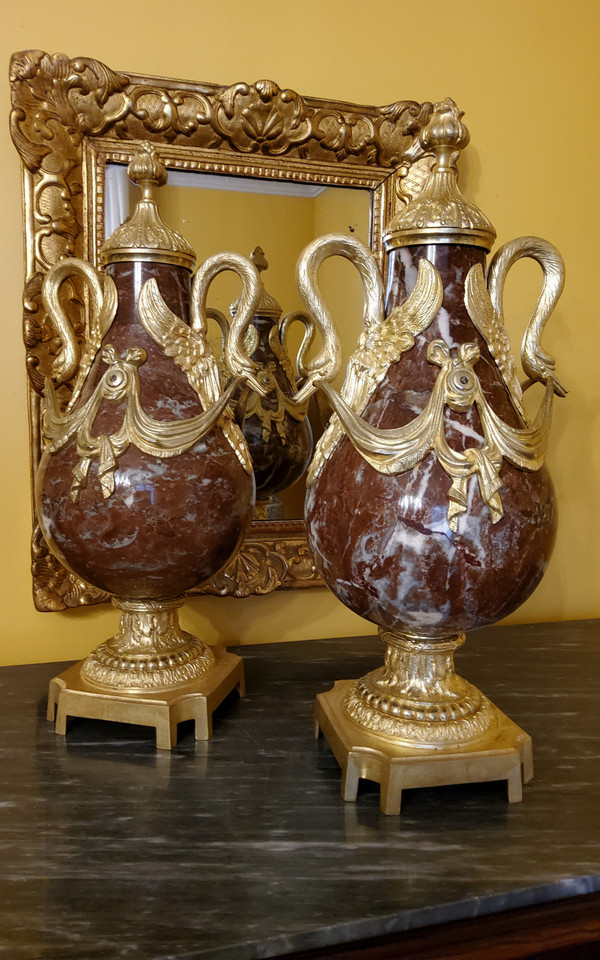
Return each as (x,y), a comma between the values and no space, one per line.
(242,847)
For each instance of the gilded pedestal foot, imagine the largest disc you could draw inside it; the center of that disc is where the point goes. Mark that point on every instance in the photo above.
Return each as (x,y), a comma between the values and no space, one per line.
(150,651)
(71,695)
(502,753)
(417,698)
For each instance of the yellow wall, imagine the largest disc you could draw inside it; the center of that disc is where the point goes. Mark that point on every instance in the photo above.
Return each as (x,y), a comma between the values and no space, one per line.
(343,211)
(527,76)
(215,220)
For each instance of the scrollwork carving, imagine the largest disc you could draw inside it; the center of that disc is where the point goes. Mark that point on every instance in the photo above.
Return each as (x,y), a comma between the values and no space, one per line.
(55,96)
(264,566)
(54,587)
(58,101)
(254,570)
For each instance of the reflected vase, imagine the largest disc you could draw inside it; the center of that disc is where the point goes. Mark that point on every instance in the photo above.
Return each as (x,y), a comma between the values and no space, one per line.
(276,429)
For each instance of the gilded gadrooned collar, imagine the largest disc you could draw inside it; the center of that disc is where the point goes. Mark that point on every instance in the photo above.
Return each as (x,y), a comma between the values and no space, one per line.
(440,213)
(145,235)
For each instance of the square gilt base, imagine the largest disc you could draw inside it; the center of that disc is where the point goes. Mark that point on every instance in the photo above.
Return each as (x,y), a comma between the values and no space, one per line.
(71,696)
(502,754)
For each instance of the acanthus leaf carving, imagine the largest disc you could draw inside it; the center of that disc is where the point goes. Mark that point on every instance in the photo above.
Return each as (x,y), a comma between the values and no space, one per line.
(347,135)
(254,570)
(58,98)
(300,563)
(264,566)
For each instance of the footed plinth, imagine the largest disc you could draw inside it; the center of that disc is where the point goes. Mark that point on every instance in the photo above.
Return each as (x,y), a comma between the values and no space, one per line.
(502,753)
(70,695)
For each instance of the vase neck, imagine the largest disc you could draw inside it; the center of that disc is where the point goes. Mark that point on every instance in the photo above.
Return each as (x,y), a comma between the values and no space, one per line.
(453,262)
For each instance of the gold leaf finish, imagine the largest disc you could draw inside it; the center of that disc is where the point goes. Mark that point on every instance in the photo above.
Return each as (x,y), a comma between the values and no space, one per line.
(53,588)
(382,341)
(417,698)
(157,438)
(489,324)
(103,295)
(307,339)
(254,570)
(537,364)
(272,417)
(261,117)
(263,565)
(145,235)
(188,346)
(149,652)
(457,386)
(440,213)
(62,97)
(325,365)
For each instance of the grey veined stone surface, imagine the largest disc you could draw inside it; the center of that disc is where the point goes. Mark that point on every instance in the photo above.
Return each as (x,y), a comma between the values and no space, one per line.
(241,847)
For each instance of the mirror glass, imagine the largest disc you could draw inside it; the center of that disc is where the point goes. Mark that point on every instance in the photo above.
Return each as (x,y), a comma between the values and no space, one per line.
(219,212)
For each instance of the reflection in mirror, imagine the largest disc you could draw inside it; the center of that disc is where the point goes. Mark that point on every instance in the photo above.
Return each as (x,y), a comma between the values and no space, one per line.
(216,213)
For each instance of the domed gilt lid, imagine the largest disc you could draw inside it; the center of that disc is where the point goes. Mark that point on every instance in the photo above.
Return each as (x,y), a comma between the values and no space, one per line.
(440,213)
(144,235)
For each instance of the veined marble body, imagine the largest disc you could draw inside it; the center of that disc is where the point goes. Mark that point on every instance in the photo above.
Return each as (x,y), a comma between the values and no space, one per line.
(382,543)
(280,459)
(170,523)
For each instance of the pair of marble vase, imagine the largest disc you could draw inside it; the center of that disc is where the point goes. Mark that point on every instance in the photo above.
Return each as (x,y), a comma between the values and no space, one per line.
(382,543)
(381,539)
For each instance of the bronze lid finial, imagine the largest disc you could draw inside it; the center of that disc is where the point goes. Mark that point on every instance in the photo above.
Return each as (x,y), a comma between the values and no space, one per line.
(440,213)
(144,235)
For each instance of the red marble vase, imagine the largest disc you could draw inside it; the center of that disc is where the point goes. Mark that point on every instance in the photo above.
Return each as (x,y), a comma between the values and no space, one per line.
(169,523)
(145,485)
(382,543)
(429,509)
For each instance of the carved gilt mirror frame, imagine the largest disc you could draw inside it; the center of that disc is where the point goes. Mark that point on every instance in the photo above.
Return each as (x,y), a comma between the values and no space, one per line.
(71,116)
